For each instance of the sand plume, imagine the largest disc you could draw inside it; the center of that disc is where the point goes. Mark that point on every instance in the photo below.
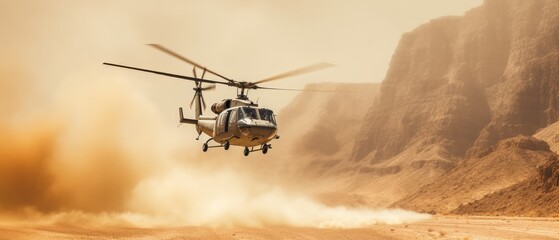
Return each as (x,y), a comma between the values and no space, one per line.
(101,155)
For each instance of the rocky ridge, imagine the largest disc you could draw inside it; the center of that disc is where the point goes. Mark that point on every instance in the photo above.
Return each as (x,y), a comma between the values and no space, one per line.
(455,88)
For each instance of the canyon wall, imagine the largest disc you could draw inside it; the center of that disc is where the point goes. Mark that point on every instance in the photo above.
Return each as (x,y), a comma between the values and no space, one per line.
(456,86)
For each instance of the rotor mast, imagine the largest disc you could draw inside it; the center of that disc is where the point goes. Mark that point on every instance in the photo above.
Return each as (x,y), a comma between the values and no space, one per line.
(242,91)
(242,95)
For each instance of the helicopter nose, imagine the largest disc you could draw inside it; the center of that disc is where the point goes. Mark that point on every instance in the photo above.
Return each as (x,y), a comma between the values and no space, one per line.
(263,131)
(257,129)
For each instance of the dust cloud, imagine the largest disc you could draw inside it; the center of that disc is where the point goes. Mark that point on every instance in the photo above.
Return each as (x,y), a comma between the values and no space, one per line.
(102,155)
(82,144)
(219,197)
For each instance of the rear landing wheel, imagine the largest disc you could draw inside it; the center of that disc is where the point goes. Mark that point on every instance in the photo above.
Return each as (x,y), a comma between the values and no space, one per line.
(205,147)
(226,145)
(265,148)
(246,151)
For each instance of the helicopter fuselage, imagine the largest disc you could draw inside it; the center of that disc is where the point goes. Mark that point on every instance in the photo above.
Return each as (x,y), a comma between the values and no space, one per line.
(245,126)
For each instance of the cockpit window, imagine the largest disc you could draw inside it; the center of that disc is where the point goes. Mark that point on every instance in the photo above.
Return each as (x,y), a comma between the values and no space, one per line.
(267,114)
(245,112)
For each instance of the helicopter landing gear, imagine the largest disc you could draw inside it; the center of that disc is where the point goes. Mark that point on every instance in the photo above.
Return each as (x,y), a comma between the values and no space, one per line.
(265,148)
(205,147)
(226,145)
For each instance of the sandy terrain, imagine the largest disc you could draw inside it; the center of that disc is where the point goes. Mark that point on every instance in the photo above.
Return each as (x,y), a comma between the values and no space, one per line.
(437,228)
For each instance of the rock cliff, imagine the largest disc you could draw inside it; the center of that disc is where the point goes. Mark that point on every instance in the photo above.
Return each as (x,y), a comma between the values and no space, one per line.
(456,87)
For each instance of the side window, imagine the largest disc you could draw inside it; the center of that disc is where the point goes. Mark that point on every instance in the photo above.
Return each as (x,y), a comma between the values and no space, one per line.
(226,122)
(222,122)
(233,117)
(222,119)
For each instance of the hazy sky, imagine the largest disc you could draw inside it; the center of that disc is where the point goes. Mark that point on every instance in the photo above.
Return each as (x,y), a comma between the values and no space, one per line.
(247,40)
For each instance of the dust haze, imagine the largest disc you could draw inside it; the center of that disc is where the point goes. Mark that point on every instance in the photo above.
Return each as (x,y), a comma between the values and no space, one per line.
(84,144)
(103,154)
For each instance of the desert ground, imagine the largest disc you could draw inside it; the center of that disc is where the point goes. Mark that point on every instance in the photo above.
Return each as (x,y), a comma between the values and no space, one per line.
(439,227)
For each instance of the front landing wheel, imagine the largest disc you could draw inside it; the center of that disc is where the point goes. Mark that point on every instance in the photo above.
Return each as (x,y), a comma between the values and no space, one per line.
(205,147)
(265,148)
(246,152)
(226,145)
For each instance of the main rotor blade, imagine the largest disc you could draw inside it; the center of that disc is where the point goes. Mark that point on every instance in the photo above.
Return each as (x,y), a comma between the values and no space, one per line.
(303,70)
(302,90)
(167,74)
(168,51)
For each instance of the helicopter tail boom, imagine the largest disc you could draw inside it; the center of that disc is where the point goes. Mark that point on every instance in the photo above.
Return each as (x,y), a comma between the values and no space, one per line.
(186,120)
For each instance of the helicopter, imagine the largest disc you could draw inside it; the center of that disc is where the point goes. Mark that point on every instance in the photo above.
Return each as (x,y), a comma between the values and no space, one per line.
(238,121)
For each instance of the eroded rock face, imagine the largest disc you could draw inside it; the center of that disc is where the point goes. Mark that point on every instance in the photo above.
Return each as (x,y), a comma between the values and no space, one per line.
(535,197)
(461,84)
(509,162)
(549,175)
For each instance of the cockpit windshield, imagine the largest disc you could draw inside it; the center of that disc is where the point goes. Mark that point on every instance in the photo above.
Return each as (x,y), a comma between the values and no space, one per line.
(247,112)
(267,114)
(256,113)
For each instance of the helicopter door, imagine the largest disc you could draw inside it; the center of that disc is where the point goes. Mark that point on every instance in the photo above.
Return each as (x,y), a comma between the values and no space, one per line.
(222,123)
(226,123)
(233,120)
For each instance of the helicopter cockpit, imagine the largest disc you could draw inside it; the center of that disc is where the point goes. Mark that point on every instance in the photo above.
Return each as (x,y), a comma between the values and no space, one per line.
(267,114)
(256,114)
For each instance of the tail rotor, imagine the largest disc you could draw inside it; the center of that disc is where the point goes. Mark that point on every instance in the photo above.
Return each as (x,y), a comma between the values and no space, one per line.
(198,98)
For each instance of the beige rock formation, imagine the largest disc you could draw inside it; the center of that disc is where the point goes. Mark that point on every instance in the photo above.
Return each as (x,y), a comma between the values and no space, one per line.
(509,162)
(456,86)
(536,197)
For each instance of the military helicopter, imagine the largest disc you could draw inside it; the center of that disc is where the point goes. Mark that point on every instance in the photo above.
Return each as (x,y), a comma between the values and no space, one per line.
(239,121)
